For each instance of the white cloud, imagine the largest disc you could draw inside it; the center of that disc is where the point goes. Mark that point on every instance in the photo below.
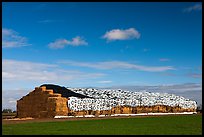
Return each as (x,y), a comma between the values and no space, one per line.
(13,70)
(21,77)
(58,44)
(10,97)
(46,21)
(164,59)
(196,7)
(118,65)
(61,43)
(105,82)
(11,38)
(119,34)
(77,41)
(194,75)
(145,50)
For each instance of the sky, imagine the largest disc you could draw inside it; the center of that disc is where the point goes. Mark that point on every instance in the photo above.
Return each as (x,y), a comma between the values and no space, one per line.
(100,44)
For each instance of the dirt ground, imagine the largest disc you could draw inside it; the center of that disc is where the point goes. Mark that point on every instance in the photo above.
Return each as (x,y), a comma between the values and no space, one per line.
(26,120)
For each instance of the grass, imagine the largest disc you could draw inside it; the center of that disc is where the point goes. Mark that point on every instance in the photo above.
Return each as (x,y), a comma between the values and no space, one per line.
(8,114)
(162,125)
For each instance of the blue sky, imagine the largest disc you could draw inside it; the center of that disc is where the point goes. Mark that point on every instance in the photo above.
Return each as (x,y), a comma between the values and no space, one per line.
(78,44)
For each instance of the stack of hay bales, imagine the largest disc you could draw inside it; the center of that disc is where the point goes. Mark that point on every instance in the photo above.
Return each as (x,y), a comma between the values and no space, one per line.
(51,101)
(41,103)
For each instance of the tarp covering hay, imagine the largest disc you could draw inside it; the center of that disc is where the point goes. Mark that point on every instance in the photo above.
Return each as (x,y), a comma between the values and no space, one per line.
(52,100)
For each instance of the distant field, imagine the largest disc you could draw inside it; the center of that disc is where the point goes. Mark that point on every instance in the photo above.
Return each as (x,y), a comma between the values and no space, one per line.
(8,115)
(155,125)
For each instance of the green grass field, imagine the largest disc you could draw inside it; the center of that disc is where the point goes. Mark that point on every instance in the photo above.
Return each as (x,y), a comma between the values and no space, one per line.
(162,125)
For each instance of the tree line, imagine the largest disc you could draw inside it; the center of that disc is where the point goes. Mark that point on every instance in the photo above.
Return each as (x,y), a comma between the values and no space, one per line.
(7,110)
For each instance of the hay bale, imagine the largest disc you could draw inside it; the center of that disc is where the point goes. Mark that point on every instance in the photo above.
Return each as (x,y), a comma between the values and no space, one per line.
(48,91)
(43,88)
(57,106)
(43,114)
(126,110)
(55,95)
